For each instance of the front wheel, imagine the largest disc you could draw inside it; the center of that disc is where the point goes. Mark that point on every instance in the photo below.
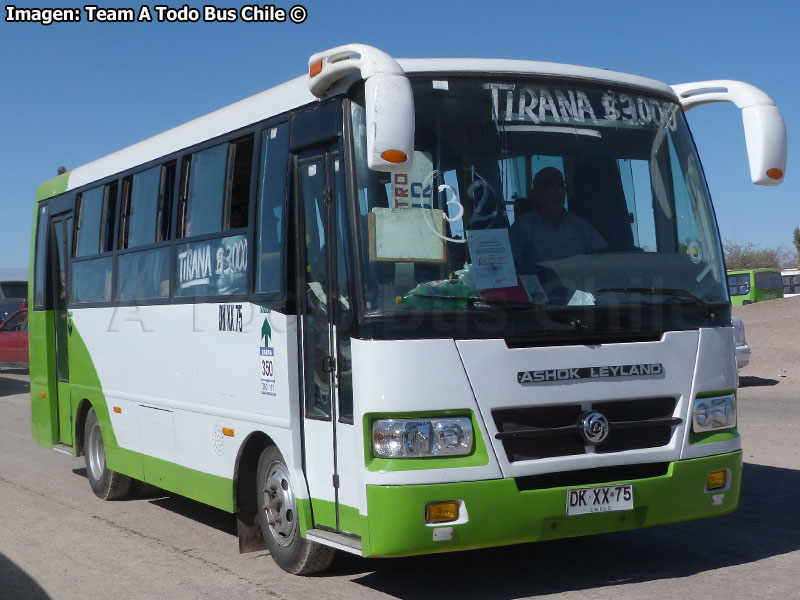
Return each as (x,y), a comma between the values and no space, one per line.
(277,516)
(106,484)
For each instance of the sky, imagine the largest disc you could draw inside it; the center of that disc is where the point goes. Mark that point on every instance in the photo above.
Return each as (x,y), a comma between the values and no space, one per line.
(74,92)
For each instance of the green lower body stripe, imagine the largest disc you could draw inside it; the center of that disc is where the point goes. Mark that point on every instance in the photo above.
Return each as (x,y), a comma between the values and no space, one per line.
(499,514)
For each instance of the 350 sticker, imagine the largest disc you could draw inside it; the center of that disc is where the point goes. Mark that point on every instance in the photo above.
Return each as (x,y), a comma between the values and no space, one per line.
(267,370)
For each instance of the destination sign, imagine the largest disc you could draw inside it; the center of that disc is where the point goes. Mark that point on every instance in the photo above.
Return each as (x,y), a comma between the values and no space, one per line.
(609,371)
(520,106)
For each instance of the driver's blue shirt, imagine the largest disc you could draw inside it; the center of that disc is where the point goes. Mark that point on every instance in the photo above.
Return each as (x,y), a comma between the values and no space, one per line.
(535,240)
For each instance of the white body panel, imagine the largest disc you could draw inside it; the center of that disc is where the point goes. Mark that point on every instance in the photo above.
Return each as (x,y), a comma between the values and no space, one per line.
(481,375)
(393,377)
(178,381)
(192,380)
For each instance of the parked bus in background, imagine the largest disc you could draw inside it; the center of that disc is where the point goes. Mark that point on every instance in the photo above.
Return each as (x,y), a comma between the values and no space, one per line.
(791,282)
(327,308)
(754,285)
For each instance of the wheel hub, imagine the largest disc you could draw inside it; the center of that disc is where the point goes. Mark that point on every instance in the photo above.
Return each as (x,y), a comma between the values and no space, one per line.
(279,504)
(97,453)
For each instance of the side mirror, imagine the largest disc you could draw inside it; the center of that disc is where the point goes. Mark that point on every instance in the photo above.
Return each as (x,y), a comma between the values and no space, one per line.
(764,129)
(388,96)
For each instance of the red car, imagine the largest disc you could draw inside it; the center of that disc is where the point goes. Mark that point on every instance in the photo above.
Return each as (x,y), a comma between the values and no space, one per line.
(14,340)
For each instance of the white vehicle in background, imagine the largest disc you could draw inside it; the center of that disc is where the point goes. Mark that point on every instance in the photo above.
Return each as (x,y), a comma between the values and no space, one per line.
(742,349)
(791,282)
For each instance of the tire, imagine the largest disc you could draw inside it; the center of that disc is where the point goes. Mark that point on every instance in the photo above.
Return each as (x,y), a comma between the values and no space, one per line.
(277,515)
(106,484)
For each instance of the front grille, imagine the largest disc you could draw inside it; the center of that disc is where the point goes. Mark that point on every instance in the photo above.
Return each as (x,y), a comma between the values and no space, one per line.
(591,476)
(533,432)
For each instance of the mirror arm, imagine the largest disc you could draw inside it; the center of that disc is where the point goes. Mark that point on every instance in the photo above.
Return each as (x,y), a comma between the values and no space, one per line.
(764,128)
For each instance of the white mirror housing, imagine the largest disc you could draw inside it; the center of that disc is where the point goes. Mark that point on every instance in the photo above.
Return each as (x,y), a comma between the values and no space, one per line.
(388,97)
(764,129)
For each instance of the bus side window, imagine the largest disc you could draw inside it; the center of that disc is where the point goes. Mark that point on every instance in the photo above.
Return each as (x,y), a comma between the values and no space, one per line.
(90,208)
(271,202)
(140,208)
(40,270)
(109,216)
(215,188)
(202,191)
(240,165)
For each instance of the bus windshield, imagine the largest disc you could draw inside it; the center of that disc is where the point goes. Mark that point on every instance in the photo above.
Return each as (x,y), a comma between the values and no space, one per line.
(531,193)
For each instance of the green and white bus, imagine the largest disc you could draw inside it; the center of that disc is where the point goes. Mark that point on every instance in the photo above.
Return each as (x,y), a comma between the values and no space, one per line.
(344,310)
(754,285)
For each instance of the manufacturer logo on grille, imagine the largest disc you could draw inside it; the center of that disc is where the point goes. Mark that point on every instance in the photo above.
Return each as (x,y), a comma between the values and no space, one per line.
(594,427)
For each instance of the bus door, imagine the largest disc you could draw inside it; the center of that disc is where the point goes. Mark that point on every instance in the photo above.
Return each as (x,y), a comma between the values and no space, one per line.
(325,317)
(59,250)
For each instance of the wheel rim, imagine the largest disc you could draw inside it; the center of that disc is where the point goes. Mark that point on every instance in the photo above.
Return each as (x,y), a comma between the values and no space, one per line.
(96,452)
(278,504)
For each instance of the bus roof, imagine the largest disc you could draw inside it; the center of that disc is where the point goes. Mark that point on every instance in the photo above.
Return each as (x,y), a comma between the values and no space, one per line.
(295,93)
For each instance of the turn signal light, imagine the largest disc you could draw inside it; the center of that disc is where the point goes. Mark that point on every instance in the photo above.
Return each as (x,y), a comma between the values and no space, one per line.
(774,173)
(315,68)
(716,480)
(394,156)
(118,410)
(227,431)
(441,512)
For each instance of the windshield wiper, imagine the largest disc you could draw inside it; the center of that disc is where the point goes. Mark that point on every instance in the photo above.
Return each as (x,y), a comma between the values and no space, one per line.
(674,292)
(494,302)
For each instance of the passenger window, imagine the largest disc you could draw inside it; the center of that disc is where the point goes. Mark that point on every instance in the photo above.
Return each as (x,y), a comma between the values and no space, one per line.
(90,210)
(203,189)
(96,213)
(40,270)
(215,188)
(242,165)
(273,164)
(147,198)
(109,216)
(144,274)
(91,280)
(212,267)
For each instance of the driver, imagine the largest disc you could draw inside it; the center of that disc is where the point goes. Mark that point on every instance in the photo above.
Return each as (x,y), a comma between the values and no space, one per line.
(548,231)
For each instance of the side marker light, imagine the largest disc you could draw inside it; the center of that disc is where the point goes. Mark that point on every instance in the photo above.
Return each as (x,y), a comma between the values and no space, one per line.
(43,394)
(118,410)
(315,68)
(716,480)
(227,431)
(441,512)
(774,173)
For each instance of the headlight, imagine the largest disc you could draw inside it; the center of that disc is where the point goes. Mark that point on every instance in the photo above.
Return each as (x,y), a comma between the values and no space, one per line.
(713,413)
(414,438)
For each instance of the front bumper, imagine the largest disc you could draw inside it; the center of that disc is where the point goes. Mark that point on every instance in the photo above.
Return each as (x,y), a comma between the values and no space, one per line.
(499,514)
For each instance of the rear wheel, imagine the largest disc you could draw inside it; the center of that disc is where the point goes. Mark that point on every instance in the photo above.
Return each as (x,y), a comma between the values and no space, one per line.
(106,484)
(277,516)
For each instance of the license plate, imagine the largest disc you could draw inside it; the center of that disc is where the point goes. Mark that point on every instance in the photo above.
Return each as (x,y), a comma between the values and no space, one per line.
(608,498)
